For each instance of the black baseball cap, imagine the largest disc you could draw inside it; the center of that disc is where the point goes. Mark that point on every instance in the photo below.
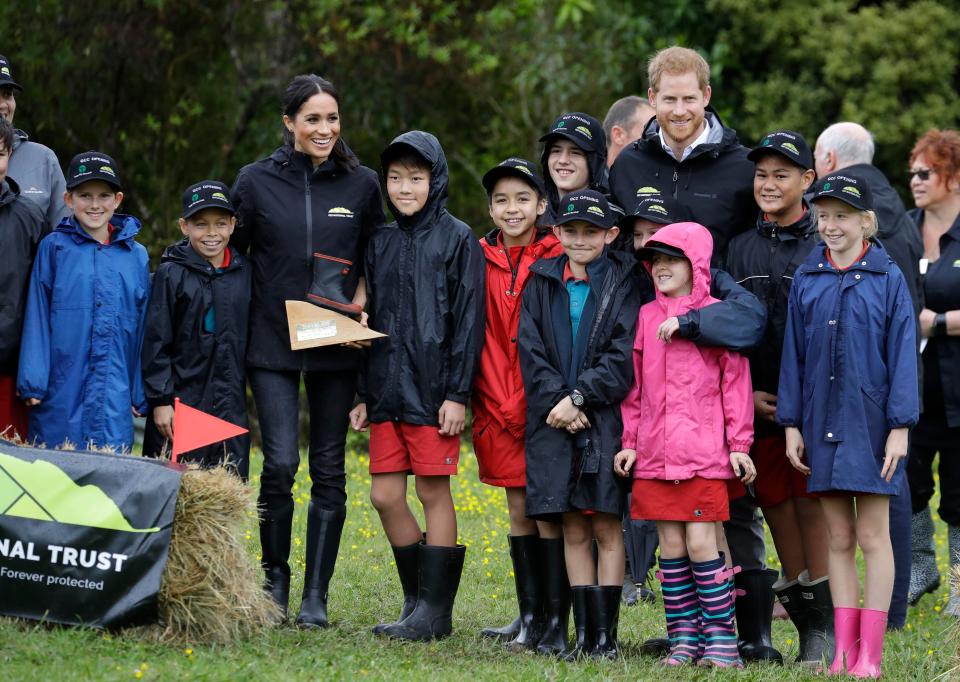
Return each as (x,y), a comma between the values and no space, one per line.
(582,129)
(786,143)
(514,167)
(658,209)
(93,166)
(654,247)
(849,189)
(206,194)
(587,205)
(6,75)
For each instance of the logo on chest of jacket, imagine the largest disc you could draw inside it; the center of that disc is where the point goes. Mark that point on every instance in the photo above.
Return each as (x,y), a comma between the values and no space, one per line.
(339,212)
(956,263)
(647,191)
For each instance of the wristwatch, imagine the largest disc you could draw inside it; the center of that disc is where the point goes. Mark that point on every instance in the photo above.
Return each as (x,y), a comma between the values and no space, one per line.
(576,397)
(940,324)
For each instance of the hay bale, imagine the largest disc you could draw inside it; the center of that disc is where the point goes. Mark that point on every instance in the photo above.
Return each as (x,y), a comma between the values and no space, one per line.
(211,588)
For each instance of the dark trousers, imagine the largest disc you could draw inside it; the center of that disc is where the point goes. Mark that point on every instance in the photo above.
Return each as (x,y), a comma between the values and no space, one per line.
(330,397)
(900,528)
(932,435)
(744,533)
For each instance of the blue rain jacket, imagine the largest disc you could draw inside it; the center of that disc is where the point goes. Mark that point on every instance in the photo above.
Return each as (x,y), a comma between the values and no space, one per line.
(849,368)
(80,351)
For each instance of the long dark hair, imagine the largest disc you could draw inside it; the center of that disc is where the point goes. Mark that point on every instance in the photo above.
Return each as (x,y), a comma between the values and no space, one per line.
(302,88)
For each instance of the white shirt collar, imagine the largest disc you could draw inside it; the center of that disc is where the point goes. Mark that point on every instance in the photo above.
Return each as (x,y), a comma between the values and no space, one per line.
(702,138)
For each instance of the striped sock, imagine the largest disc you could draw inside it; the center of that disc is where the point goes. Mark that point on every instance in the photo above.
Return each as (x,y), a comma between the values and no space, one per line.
(682,609)
(715,591)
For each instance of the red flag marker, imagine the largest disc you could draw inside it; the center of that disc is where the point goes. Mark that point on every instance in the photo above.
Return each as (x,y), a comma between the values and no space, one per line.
(194,429)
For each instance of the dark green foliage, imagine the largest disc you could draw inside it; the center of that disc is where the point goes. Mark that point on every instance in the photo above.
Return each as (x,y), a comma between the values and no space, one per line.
(179,91)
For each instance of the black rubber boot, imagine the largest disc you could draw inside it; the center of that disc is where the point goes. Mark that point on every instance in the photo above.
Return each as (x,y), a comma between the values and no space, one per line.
(657,647)
(407,560)
(584,622)
(276,520)
(556,598)
(525,551)
(755,616)
(439,573)
(820,645)
(511,630)
(326,290)
(606,604)
(324,527)
(789,596)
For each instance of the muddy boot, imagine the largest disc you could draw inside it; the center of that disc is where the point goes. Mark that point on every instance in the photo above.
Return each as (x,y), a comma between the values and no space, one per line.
(406,559)
(953,539)
(924,576)
(326,291)
(755,616)
(276,521)
(439,573)
(324,527)
(556,597)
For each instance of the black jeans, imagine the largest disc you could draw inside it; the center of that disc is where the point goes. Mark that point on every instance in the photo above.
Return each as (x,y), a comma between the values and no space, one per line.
(330,397)
(932,435)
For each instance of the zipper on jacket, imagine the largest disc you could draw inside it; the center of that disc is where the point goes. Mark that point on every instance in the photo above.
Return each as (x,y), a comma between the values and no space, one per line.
(514,269)
(309,216)
(676,183)
(405,248)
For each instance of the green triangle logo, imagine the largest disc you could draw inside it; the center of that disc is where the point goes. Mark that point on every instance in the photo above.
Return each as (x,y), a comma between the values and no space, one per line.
(42,491)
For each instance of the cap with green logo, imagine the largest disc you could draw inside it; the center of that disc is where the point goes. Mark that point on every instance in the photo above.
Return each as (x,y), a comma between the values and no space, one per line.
(582,129)
(515,167)
(206,194)
(850,189)
(6,75)
(658,209)
(786,143)
(93,165)
(588,206)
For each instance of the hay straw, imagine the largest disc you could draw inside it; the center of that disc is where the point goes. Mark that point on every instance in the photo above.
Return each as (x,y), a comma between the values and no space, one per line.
(211,588)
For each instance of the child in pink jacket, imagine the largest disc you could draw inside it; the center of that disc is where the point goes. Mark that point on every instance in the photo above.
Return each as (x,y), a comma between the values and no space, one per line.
(687,426)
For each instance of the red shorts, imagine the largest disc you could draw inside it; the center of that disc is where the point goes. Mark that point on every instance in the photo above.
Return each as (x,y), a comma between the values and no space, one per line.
(695,499)
(500,456)
(13,413)
(420,450)
(777,480)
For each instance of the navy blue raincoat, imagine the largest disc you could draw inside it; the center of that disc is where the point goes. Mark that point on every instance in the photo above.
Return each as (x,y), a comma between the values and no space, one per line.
(849,368)
(80,352)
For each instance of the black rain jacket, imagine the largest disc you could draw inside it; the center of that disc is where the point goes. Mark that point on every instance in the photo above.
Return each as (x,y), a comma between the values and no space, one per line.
(763,261)
(599,181)
(22,226)
(425,287)
(287,210)
(564,471)
(715,183)
(179,357)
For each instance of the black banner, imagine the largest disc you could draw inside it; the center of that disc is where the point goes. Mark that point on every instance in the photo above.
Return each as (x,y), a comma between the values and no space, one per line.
(83,536)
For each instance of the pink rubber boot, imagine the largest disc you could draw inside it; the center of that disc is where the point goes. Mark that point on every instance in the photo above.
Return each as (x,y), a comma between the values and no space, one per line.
(873,626)
(846,627)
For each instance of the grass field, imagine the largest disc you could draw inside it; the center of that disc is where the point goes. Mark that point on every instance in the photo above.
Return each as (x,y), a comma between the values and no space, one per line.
(365,590)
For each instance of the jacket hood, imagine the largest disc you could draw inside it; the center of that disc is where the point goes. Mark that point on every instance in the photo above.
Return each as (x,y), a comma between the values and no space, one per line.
(19,137)
(286,155)
(183,254)
(650,140)
(596,161)
(696,243)
(9,191)
(427,146)
(125,228)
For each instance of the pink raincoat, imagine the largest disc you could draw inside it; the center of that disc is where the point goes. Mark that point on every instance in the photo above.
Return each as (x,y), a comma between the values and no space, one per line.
(690,405)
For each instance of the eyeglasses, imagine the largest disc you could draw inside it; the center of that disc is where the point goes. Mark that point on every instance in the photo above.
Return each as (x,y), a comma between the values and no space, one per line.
(922,173)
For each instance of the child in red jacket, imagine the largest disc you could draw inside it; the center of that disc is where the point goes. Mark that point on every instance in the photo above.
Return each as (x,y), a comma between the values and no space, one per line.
(687,426)
(517,199)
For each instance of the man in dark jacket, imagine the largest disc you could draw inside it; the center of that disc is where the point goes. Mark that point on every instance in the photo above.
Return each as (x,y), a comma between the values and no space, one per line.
(686,152)
(849,147)
(624,123)
(195,336)
(424,278)
(22,226)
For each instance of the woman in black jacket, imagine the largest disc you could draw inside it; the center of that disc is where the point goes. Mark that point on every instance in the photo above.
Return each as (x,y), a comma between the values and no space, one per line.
(305,215)
(935,184)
